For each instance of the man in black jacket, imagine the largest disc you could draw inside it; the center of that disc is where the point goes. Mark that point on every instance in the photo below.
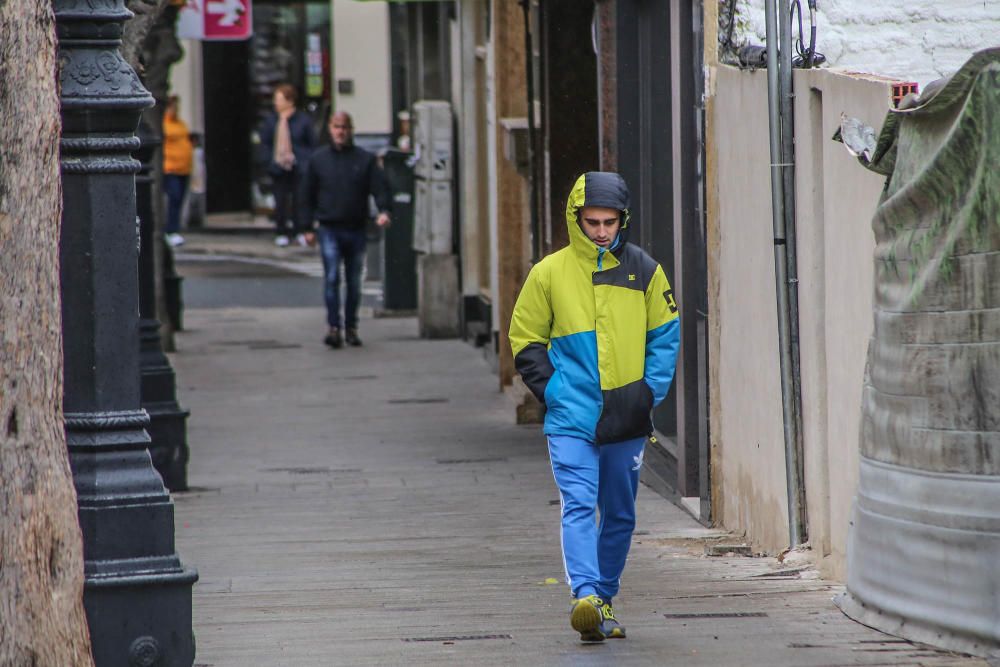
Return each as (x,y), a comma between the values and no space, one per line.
(335,191)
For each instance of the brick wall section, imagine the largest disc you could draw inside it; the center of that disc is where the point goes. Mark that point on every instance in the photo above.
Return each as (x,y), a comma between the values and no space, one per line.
(917,40)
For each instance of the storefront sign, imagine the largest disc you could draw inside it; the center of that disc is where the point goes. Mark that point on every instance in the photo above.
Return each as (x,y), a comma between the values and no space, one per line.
(215,20)
(314,66)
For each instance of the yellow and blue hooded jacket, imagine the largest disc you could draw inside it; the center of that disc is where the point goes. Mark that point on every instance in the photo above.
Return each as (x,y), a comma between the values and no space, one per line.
(595,331)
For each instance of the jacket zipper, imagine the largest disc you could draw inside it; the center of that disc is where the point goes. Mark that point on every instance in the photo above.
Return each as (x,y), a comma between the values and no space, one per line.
(600,267)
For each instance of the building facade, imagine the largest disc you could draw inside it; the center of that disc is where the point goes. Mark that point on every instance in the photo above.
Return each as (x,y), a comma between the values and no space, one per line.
(639,87)
(336,54)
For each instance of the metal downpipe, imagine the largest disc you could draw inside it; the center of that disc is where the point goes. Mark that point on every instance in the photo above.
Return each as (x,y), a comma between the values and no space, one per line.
(536,227)
(787,353)
(786,91)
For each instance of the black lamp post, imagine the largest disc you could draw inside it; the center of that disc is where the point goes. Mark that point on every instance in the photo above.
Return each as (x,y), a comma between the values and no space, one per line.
(167,428)
(136,591)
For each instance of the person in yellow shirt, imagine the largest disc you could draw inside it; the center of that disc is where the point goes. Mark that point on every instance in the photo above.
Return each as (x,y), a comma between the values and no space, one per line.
(178,153)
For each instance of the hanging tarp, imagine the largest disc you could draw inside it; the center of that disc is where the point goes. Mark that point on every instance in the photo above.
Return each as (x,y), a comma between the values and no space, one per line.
(924,544)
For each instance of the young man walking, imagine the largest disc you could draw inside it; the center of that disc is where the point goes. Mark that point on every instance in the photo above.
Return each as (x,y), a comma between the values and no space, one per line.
(595,336)
(335,191)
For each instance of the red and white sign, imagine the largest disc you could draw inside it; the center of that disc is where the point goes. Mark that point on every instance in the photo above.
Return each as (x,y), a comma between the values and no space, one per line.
(215,20)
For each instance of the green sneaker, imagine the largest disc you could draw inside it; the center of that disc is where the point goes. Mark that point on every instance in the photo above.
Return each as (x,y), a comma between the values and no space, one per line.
(610,627)
(586,618)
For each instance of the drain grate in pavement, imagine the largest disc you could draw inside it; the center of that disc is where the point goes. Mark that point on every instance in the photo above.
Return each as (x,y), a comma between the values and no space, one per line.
(312,470)
(456,638)
(260,344)
(399,401)
(275,346)
(255,341)
(721,614)
(497,459)
(781,574)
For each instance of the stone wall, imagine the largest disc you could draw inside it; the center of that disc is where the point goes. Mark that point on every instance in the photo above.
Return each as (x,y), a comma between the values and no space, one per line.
(917,40)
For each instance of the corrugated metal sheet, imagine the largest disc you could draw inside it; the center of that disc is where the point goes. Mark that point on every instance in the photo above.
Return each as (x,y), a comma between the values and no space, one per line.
(924,546)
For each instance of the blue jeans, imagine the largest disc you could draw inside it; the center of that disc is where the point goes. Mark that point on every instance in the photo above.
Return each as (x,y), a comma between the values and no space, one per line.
(175,187)
(594,479)
(338,244)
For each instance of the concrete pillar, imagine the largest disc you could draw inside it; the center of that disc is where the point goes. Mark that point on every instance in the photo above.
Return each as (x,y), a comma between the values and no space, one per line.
(438,296)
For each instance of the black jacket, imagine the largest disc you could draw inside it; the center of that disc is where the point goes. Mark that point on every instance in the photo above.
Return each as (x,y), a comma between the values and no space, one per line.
(303,141)
(336,186)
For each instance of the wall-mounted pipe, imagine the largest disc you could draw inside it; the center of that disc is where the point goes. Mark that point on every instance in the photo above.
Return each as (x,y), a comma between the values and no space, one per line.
(536,227)
(781,142)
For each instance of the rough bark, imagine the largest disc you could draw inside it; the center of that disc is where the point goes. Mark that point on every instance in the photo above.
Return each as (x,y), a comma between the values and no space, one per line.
(42,620)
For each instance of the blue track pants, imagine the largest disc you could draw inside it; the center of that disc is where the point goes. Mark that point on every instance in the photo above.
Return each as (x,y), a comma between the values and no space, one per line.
(594,480)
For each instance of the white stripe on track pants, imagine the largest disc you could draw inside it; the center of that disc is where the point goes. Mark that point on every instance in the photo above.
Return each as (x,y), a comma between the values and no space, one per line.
(596,479)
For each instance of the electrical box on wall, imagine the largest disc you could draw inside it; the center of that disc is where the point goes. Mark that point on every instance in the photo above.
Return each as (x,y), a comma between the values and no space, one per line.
(433,217)
(515,143)
(432,139)
(432,224)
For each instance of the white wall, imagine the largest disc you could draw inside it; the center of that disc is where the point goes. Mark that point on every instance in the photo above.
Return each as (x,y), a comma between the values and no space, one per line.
(361,52)
(748,444)
(186,83)
(915,40)
(835,200)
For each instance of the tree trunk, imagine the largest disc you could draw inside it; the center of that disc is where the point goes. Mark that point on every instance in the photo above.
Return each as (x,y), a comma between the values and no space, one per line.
(42,621)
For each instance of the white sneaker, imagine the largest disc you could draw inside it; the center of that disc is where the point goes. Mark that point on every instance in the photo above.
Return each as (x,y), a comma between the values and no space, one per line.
(175,240)
(281,241)
(302,241)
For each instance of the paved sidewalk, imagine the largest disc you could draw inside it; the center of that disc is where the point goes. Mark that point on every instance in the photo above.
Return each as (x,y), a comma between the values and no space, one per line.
(378,506)
(249,244)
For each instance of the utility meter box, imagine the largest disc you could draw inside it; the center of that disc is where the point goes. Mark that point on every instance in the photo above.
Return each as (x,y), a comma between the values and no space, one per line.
(433,220)
(432,140)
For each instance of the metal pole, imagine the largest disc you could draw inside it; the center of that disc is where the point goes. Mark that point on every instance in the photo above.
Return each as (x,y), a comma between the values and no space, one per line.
(787,104)
(168,421)
(788,408)
(137,594)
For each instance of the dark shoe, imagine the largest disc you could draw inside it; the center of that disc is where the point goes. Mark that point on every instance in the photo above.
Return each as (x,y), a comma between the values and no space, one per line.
(610,627)
(352,338)
(333,338)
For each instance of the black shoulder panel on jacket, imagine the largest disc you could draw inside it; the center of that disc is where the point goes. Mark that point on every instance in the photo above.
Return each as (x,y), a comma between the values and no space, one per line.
(634,271)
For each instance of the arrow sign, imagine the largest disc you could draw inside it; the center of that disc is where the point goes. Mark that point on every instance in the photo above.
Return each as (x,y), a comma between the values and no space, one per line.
(231,10)
(212,20)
